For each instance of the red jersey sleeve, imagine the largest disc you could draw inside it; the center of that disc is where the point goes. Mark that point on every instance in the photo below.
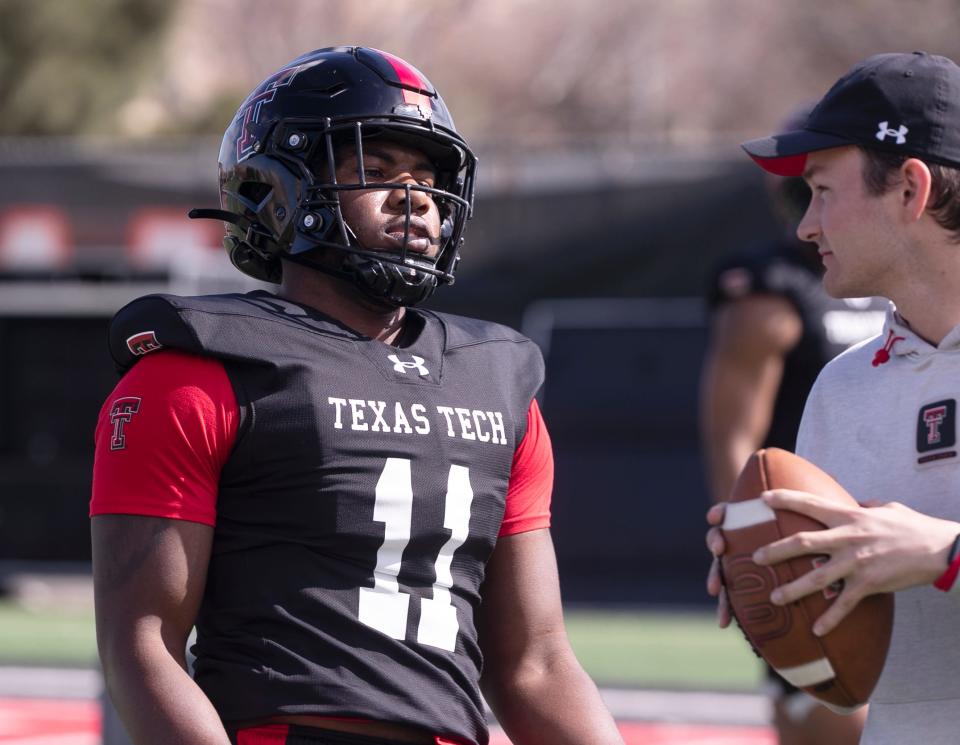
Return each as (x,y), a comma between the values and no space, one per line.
(531,479)
(162,438)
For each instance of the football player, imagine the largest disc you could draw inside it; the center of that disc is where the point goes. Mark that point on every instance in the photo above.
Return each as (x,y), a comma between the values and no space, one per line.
(348,496)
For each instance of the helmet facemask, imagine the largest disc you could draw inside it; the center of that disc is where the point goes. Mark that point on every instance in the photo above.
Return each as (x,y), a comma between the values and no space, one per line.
(393,277)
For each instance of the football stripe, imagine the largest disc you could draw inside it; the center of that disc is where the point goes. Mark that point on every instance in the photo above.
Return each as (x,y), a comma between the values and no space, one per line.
(747,513)
(808,674)
(410,77)
(842,710)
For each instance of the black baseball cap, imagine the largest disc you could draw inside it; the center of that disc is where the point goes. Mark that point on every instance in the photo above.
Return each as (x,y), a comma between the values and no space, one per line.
(903,103)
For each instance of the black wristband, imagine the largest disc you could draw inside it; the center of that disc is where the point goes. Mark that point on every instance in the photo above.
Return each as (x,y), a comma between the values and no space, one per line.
(954,550)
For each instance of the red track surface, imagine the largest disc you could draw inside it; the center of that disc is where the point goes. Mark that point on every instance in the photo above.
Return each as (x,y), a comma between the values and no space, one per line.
(649,733)
(57,722)
(27,721)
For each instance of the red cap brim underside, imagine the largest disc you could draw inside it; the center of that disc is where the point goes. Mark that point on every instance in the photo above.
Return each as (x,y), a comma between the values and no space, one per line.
(788,165)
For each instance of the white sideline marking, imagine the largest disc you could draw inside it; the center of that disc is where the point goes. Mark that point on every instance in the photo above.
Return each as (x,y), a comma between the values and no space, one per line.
(47,682)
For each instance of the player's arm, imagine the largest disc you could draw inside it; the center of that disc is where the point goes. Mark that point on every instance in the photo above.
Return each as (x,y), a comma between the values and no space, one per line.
(531,679)
(148,575)
(750,337)
(744,367)
(161,441)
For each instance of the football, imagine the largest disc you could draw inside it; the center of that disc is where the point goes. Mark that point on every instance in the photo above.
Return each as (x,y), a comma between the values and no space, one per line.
(839,669)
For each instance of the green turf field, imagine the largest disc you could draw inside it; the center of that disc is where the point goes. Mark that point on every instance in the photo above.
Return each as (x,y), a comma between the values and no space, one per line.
(630,648)
(657,649)
(46,637)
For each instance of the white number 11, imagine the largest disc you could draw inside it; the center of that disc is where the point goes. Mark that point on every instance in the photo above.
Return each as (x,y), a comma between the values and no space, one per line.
(383,606)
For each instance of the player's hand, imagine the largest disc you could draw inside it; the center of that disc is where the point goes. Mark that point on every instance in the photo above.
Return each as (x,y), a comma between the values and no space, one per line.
(716,546)
(881,548)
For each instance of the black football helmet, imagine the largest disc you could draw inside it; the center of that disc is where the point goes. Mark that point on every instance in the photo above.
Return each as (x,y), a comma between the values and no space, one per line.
(279,195)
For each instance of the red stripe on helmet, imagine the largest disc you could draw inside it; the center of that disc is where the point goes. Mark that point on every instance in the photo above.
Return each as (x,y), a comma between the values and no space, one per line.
(409,78)
(407,74)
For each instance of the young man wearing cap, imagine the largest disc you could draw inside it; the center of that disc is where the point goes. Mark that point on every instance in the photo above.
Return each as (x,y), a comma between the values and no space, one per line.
(881,153)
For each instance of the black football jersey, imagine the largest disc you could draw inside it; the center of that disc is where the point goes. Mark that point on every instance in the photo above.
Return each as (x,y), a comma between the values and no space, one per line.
(793,271)
(357,510)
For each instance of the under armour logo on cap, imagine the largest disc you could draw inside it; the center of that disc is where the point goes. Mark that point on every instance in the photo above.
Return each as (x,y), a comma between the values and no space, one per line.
(918,93)
(416,364)
(886,131)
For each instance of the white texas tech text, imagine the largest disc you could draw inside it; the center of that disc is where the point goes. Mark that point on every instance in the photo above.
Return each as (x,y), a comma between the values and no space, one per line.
(361,415)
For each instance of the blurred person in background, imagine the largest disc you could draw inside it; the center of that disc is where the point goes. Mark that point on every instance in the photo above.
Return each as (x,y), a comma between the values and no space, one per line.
(327,480)
(772,329)
(881,153)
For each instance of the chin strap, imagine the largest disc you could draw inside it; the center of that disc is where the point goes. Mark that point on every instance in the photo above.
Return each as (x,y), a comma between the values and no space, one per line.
(387,284)
(318,266)
(259,245)
(384,282)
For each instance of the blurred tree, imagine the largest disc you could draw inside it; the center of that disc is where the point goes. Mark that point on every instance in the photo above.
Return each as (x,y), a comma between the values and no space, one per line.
(632,74)
(614,76)
(67,66)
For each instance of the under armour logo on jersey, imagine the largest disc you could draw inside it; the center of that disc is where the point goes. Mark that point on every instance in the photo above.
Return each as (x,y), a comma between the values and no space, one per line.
(401,367)
(121,412)
(886,131)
